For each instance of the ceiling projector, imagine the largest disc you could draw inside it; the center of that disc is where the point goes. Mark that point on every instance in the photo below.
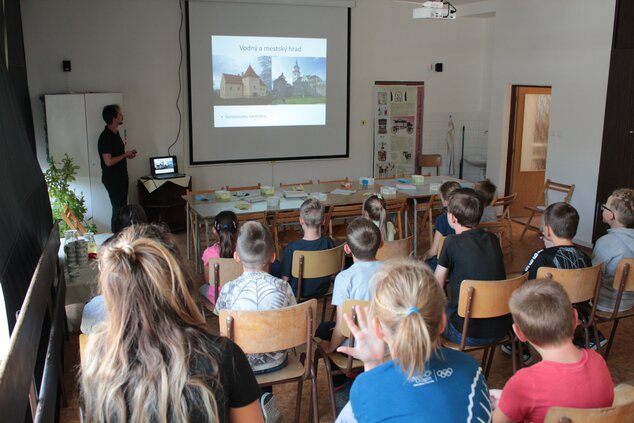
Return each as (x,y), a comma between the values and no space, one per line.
(435,10)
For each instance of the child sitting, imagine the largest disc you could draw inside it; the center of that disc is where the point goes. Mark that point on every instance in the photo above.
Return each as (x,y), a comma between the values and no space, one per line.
(225,227)
(486,190)
(423,382)
(618,243)
(374,208)
(566,376)
(471,253)
(441,226)
(355,283)
(255,289)
(311,217)
(560,227)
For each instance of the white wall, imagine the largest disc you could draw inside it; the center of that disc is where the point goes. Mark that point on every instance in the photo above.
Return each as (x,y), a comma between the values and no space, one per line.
(564,44)
(132,47)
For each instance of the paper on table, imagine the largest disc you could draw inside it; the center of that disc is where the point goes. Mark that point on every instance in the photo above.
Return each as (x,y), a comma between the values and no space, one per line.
(340,191)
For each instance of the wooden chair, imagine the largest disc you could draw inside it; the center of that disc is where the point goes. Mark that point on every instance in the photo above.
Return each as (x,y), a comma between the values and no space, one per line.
(193,224)
(440,244)
(221,271)
(245,188)
(72,221)
(430,160)
(83,342)
(293,184)
(543,202)
(255,216)
(316,264)
(282,220)
(622,410)
(401,248)
(396,208)
(343,363)
(432,208)
(341,212)
(333,181)
(277,330)
(582,286)
(501,229)
(505,203)
(623,282)
(484,300)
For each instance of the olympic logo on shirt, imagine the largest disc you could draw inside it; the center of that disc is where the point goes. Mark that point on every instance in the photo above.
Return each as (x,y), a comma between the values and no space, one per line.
(444,373)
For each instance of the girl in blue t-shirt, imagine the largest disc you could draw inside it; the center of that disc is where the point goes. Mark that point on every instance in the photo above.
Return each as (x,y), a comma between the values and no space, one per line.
(422,382)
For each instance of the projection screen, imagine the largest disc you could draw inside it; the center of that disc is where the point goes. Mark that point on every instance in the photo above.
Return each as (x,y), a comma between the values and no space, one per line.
(268,80)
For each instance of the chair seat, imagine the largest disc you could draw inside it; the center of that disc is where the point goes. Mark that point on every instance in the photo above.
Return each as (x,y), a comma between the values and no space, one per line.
(448,344)
(293,369)
(341,361)
(607,315)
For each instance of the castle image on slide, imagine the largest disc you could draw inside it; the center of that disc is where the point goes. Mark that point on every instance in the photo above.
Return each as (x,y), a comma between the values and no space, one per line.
(247,85)
(303,85)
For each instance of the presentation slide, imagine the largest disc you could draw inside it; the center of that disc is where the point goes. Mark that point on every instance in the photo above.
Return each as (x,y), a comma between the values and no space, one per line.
(268,81)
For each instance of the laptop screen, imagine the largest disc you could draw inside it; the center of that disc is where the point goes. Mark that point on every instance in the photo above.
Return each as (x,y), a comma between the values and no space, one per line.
(163,165)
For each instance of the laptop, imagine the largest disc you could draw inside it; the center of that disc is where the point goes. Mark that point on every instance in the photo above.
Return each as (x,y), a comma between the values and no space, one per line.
(164,167)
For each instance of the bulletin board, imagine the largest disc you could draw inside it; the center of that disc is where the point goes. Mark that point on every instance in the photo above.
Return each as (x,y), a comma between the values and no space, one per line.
(398,127)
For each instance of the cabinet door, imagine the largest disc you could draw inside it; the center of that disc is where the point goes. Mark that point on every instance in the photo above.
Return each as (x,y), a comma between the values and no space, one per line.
(66,134)
(94,104)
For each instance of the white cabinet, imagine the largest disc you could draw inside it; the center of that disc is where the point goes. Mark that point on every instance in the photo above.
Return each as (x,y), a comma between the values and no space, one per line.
(73,125)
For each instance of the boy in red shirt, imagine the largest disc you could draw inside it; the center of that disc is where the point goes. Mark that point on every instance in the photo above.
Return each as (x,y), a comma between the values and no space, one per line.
(567,376)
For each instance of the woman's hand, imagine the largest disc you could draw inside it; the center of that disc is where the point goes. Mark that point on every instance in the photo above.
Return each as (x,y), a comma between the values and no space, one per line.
(368,347)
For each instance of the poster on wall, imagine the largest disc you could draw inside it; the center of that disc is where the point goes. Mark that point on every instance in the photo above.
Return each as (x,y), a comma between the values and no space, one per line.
(398,127)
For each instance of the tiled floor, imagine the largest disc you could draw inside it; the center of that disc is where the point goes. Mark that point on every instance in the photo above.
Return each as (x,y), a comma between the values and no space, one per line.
(620,363)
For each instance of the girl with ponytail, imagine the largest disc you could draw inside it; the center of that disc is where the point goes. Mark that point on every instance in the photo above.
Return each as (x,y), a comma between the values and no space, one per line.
(375,208)
(225,227)
(422,382)
(154,360)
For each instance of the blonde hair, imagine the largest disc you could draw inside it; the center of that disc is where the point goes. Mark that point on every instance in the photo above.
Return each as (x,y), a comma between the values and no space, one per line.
(312,212)
(375,207)
(138,366)
(542,310)
(409,303)
(255,245)
(623,206)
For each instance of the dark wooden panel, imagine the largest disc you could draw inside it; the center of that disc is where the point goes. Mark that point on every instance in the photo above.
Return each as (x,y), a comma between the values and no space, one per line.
(165,204)
(624,28)
(616,167)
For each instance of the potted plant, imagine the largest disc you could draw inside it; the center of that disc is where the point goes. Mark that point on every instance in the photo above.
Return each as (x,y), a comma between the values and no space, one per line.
(58,177)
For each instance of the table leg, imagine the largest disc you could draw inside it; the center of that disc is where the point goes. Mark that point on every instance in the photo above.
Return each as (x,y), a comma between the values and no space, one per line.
(197,258)
(415,229)
(189,253)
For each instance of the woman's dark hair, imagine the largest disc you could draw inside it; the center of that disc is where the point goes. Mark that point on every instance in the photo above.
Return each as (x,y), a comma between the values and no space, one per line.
(131,214)
(226,224)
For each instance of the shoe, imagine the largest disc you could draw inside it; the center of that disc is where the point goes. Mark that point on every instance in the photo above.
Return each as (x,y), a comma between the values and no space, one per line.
(580,342)
(272,413)
(527,358)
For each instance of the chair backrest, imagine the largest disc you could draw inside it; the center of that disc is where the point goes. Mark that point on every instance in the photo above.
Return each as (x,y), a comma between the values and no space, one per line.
(348,308)
(501,229)
(340,212)
(223,270)
(487,299)
(256,216)
(281,218)
(201,192)
(441,242)
(317,264)
(245,188)
(83,342)
(622,410)
(332,181)
(505,203)
(565,189)
(293,184)
(401,248)
(270,330)
(580,284)
(624,275)
(397,207)
(430,160)
(72,221)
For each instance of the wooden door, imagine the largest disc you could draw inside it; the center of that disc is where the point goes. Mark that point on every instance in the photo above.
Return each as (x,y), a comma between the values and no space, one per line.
(528,145)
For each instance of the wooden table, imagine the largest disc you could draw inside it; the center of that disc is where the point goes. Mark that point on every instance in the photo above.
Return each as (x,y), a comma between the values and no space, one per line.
(207,207)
